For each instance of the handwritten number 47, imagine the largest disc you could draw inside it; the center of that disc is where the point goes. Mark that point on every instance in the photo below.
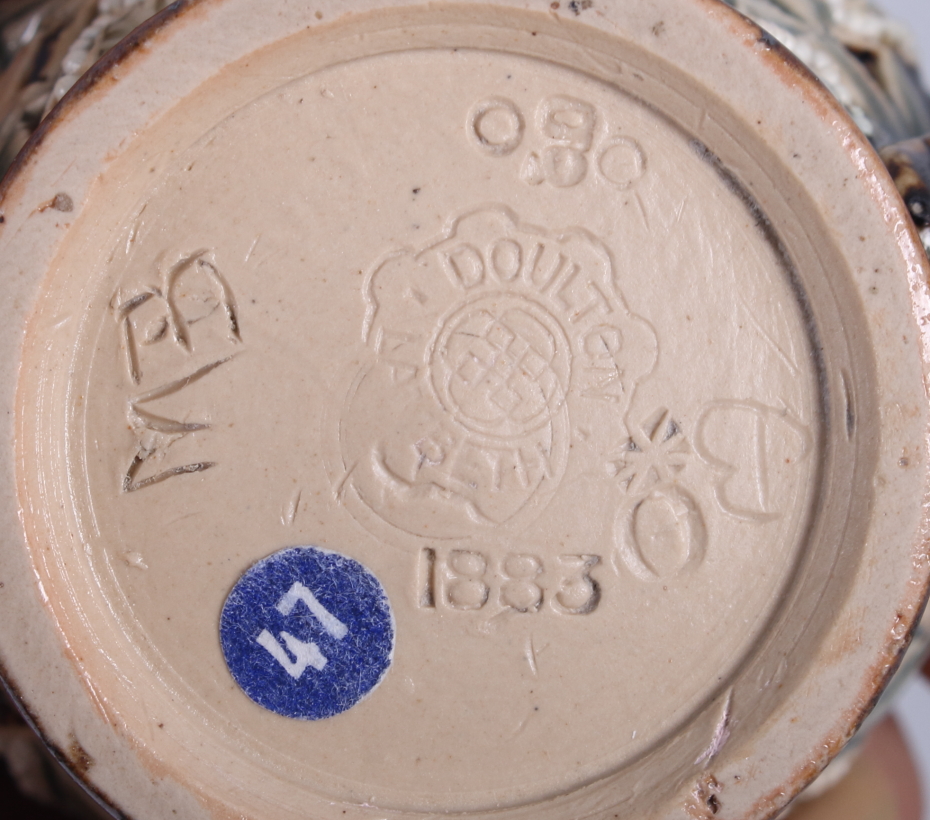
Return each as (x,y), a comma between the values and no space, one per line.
(305,653)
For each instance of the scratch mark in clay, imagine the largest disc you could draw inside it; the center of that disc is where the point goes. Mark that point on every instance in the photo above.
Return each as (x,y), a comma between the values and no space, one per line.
(179,384)
(251,249)
(531,655)
(490,626)
(135,230)
(642,209)
(702,121)
(521,726)
(135,559)
(175,521)
(130,485)
(721,733)
(339,491)
(779,352)
(173,277)
(161,424)
(290,510)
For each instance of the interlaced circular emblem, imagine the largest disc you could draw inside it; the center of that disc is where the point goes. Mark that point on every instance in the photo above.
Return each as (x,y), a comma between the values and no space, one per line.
(487,346)
(501,366)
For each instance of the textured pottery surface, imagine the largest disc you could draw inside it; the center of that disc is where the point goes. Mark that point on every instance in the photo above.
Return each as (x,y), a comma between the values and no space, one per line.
(418,409)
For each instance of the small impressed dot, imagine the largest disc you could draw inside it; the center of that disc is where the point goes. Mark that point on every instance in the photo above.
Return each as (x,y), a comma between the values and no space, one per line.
(307,633)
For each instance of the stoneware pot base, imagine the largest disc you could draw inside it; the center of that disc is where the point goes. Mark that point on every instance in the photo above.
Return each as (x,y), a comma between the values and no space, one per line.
(431,409)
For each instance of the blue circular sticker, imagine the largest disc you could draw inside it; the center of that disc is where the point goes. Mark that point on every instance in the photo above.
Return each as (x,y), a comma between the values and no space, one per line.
(307,633)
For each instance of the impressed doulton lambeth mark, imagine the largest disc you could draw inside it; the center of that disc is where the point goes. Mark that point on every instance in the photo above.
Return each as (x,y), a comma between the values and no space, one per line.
(487,381)
(485,342)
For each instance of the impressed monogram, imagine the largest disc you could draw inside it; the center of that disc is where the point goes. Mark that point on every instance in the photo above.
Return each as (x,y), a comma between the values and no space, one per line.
(485,347)
(157,325)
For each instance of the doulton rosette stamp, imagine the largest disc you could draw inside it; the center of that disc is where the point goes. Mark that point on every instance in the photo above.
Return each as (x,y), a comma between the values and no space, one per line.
(488,347)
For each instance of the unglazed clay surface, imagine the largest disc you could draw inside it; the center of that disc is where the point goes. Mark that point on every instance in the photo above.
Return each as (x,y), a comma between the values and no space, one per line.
(578,378)
(538,423)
